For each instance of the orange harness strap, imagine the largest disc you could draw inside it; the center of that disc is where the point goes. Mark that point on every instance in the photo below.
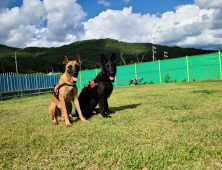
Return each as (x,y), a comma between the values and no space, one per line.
(91,84)
(57,87)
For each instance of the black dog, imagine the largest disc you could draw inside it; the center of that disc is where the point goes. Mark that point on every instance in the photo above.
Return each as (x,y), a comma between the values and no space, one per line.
(99,89)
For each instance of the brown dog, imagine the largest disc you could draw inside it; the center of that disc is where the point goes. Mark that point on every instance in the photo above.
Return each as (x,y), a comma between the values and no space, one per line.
(60,108)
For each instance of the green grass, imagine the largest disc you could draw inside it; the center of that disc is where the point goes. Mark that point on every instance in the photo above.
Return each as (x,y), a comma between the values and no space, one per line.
(156,126)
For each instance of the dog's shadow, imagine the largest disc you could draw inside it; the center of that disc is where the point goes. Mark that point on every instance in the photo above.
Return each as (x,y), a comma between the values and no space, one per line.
(131,106)
(115,109)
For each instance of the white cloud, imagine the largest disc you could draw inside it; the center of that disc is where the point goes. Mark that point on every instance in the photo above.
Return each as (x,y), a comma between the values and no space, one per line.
(208,3)
(188,26)
(126,1)
(33,5)
(22,26)
(104,2)
(14,28)
(4,2)
(63,19)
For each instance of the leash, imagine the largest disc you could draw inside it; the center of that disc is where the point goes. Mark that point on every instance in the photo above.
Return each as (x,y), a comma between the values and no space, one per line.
(57,87)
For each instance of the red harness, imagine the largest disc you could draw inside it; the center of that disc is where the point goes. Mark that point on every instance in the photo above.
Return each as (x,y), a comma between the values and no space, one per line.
(91,84)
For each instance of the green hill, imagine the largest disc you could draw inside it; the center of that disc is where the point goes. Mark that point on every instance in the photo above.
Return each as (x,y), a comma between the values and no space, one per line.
(36,59)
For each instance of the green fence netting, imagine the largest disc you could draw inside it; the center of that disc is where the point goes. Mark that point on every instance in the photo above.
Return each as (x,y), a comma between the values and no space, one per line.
(199,67)
(203,67)
(189,68)
(148,71)
(124,74)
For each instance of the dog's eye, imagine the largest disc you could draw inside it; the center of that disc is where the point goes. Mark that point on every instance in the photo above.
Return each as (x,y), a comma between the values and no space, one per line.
(76,67)
(107,66)
(69,67)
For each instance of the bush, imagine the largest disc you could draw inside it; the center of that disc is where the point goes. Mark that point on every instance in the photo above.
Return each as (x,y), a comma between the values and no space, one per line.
(167,78)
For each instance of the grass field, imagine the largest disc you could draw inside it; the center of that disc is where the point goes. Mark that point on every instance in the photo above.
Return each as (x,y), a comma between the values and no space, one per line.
(156,126)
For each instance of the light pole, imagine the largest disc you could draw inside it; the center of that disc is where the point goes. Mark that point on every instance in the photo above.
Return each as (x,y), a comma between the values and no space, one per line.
(16,63)
(165,54)
(153,51)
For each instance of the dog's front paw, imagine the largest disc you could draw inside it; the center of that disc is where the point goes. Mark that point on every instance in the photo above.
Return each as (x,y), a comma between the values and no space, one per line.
(68,124)
(108,117)
(55,122)
(85,121)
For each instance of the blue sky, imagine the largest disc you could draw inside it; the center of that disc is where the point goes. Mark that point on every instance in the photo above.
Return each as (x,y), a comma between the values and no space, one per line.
(52,23)
(93,8)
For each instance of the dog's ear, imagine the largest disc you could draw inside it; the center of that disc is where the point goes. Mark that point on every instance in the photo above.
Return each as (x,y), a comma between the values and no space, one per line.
(65,59)
(103,59)
(113,58)
(78,58)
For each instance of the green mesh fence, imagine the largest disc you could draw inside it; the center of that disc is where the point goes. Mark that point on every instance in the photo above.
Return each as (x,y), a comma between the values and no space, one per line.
(173,70)
(148,71)
(204,67)
(124,73)
(199,67)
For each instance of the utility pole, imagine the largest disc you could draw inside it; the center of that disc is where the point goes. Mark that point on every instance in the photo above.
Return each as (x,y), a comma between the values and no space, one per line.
(165,54)
(153,51)
(16,63)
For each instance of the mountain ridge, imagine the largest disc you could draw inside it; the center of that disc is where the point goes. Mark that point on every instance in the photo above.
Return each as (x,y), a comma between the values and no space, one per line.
(42,59)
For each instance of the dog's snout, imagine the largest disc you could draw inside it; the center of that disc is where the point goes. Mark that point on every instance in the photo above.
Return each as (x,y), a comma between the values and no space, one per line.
(112,74)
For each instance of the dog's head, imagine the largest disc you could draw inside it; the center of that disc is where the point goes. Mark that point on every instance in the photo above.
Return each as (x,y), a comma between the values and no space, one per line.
(109,67)
(72,67)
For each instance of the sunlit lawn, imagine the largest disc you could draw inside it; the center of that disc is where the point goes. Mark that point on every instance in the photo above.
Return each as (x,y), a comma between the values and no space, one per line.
(156,126)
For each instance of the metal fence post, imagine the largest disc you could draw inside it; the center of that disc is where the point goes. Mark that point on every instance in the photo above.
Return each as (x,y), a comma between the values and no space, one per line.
(159,70)
(220,64)
(188,77)
(80,80)
(135,71)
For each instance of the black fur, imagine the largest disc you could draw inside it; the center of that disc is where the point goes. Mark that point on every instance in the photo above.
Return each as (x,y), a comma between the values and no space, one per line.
(88,99)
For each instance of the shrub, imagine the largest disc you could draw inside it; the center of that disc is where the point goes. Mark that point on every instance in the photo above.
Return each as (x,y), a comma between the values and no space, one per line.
(167,78)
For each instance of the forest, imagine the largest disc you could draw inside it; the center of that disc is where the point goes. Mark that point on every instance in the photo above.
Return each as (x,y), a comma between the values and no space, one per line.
(41,60)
